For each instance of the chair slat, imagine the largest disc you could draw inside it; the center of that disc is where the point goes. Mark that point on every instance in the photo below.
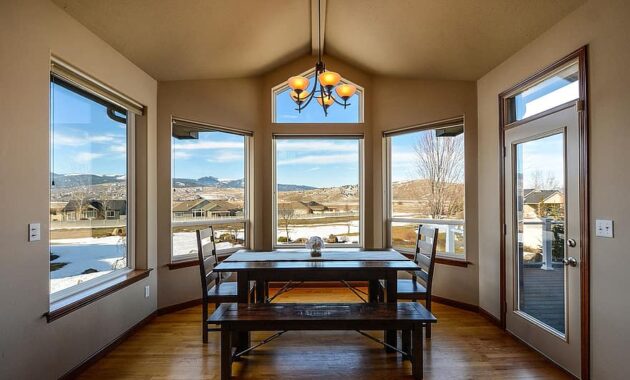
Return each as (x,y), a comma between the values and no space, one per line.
(424,276)
(425,248)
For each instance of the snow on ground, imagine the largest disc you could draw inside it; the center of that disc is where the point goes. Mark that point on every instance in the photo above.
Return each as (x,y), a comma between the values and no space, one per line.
(323,231)
(185,243)
(102,254)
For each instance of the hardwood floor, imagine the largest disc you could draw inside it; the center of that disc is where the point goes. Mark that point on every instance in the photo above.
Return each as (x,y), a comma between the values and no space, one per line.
(464,346)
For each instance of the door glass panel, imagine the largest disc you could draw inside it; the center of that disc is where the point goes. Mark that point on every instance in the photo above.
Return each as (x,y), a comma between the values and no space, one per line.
(540,221)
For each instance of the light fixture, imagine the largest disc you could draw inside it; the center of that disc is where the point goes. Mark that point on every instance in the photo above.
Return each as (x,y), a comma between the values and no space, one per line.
(323,84)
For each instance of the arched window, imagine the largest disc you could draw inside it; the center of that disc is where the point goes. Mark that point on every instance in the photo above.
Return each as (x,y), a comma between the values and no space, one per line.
(284,109)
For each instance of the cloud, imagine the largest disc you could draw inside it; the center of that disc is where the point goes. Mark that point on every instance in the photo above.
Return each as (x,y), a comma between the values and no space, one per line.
(119,148)
(200,145)
(63,139)
(321,159)
(181,155)
(404,157)
(226,157)
(313,169)
(317,146)
(85,157)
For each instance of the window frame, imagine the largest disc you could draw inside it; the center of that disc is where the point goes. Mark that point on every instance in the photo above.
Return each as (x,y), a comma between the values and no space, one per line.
(248,146)
(360,141)
(130,153)
(284,85)
(388,195)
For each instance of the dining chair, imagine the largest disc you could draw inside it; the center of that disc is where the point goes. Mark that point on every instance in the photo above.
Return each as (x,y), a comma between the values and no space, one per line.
(419,286)
(213,290)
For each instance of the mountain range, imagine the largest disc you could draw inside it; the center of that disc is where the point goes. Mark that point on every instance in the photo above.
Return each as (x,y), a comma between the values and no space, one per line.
(74,180)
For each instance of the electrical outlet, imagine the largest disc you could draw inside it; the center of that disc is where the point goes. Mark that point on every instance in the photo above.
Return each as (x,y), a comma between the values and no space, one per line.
(34,232)
(146,291)
(604,228)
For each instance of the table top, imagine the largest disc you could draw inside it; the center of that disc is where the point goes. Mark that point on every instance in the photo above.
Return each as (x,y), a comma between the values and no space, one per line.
(327,255)
(301,260)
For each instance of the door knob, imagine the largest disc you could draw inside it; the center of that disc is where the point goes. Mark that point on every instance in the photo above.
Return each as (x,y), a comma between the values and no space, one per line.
(571,243)
(570,261)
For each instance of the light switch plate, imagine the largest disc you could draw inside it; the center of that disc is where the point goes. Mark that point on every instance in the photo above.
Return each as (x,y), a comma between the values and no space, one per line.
(34,232)
(604,228)
(146,291)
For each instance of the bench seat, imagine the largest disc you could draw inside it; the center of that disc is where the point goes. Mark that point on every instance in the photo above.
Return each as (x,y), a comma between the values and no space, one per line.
(405,316)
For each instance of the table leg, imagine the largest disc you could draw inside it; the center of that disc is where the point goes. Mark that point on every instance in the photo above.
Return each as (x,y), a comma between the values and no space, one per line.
(373,286)
(391,288)
(416,361)
(243,338)
(226,355)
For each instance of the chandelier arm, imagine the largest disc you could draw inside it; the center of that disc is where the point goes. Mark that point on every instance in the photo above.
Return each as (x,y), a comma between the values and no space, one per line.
(322,94)
(310,96)
(344,104)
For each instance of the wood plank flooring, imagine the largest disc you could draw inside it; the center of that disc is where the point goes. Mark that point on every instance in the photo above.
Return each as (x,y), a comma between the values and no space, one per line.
(464,346)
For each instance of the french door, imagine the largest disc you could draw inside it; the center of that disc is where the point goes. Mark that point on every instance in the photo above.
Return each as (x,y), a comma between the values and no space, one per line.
(542,235)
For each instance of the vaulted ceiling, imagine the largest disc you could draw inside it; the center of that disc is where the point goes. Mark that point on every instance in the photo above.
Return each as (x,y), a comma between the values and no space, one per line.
(202,39)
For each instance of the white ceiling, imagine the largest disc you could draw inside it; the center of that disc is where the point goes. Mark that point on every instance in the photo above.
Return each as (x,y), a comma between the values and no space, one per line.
(200,39)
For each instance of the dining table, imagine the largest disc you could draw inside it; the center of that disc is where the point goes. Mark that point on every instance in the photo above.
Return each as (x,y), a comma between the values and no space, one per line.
(299,265)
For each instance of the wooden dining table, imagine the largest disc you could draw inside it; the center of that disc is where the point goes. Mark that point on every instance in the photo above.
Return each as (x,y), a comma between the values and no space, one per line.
(333,265)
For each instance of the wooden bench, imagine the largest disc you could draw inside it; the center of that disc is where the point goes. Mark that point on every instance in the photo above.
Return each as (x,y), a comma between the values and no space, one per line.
(405,316)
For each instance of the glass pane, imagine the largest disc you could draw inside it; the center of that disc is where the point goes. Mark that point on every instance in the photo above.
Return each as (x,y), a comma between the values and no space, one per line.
(450,237)
(227,236)
(427,174)
(88,193)
(318,190)
(559,88)
(540,213)
(286,112)
(208,183)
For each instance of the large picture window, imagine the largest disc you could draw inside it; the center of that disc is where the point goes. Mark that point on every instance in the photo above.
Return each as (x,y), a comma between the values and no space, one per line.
(90,171)
(426,186)
(209,187)
(318,191)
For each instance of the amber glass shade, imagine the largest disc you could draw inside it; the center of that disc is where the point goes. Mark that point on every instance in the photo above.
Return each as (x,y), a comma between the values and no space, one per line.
(328,101)
(298,83)
(329,78)
(299,97)
(345,91)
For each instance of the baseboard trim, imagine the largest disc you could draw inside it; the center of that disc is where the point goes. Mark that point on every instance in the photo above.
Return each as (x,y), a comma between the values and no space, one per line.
(76,371)
(457,304)
(179,306)
(490,317)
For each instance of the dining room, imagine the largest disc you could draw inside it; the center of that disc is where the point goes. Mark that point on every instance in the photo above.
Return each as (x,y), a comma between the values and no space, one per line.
(313,189)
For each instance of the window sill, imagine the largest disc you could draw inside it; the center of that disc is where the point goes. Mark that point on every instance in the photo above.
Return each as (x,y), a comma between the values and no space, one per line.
(69,304)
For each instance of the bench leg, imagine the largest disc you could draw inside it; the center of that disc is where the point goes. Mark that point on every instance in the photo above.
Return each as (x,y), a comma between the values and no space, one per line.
(406,343)
(416,361)
(226,355)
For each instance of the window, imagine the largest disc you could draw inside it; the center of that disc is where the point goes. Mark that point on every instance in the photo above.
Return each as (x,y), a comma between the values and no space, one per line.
(90,167)
(284,108)
(209,187)
(559,87)
(318,191)
(426,186)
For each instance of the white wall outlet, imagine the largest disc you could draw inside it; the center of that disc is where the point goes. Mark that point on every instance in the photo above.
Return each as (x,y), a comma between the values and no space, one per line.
(34,232)
(604,228)
(147,291)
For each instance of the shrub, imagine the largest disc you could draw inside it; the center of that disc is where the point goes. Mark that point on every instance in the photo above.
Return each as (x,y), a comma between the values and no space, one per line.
(282,239)
(332,239)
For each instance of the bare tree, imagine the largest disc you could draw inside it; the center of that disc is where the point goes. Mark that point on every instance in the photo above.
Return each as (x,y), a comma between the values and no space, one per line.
(541,181)
(80,194)
(286,215)
(440,160)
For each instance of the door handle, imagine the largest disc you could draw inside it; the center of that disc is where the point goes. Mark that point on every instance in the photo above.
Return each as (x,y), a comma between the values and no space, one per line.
(571,243)
(570,261)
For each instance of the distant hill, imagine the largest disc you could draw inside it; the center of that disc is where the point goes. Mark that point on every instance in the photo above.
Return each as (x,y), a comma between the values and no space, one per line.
(74,180)
(283,187)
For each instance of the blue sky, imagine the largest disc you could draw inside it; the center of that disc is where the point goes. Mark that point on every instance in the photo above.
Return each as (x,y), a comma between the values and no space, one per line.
(86,140)
(545,155)
(216,154)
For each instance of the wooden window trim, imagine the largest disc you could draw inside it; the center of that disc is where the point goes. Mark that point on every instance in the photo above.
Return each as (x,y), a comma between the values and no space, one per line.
(69,304)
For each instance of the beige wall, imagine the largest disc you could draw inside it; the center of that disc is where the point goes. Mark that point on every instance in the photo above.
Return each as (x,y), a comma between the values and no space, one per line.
(30,348)
(248,106)
(603,25)
(404,102)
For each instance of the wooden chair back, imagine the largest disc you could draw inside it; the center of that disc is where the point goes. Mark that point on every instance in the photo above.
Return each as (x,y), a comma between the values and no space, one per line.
(426,248)
(207,254)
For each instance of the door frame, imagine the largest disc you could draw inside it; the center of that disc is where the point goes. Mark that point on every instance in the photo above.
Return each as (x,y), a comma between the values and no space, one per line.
(583,119)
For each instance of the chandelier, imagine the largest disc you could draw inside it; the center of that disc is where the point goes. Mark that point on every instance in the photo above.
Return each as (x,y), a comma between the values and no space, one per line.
(324,82)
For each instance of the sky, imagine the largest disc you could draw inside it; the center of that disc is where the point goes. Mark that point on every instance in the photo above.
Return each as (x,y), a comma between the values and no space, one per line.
(545,155)
(86,140)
